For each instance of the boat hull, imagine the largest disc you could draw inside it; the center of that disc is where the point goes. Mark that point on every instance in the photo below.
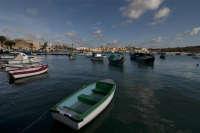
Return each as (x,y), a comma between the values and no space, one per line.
(67,118)
(162,57)
(77,125)
(142,58)
(117,62)
(29,72)
(116,59)
(100,59)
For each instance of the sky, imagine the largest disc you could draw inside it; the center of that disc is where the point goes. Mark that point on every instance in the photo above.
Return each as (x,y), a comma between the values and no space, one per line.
(92,23)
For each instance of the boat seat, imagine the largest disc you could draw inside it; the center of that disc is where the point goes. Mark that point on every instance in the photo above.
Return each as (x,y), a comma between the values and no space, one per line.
(100,91)
(102,88)
(87,99)
(103,85)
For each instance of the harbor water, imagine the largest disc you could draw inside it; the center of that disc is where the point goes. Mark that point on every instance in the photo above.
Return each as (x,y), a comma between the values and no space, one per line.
(163,98)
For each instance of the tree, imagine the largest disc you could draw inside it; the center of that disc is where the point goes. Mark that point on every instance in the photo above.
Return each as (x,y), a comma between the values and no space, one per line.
(9,43)
(3,39)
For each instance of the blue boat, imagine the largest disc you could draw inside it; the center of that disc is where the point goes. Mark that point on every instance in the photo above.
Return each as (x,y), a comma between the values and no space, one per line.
(142,56)
(116,59)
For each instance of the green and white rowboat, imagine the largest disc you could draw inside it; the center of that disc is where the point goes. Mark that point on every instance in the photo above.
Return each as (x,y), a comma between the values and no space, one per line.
(83,106)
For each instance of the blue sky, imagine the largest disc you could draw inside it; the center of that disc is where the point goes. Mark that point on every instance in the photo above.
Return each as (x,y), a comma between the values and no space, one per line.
(143,23)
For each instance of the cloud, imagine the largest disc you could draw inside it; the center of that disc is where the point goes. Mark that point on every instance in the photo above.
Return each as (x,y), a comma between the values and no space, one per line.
(75,38)
(136,8)
(115,41)
(71,34)
(32,11)
(190,33)
(157,39)
(98,34)
(162,13)
(99,23)
(195,31)
(69,23)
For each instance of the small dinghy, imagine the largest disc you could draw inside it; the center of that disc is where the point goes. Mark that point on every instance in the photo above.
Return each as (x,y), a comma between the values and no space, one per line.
(83,106)
(28,72)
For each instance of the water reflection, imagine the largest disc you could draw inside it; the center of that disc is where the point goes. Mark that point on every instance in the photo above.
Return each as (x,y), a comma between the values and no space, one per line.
(143,65)
(116,68)
(145,115)
(97,62)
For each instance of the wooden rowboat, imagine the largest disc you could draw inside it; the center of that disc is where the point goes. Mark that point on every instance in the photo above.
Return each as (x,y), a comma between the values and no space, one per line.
(83,106)
(28,72)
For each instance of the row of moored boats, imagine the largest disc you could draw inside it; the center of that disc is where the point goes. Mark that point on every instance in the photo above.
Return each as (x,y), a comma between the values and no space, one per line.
(143,56)
(19,65)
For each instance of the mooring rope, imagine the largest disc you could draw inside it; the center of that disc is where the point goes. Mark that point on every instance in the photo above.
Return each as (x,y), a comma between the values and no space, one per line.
(34,122)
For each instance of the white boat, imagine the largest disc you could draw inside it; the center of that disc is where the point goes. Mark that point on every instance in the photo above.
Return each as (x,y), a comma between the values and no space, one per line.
(28,72)
(83,106)
(12,67)
(88,54)
(7,57)
(97,57)
(22,58)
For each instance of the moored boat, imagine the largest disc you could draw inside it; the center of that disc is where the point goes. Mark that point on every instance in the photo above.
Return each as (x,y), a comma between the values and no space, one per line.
(97,57)
(196,57)
(12,67)
(72,56)
(116,59)
(22,58)
(83,106)
(143,56)
(162,56)
(7,57)
(28,72)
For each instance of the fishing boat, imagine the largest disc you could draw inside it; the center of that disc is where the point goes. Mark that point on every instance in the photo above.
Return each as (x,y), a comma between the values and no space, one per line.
(162,56)
(196,57)
(88,54)
(177,53)
(72,56)
(116,59)
(83,106)
(190,54)
(143,56)
(28,72)
(97,57)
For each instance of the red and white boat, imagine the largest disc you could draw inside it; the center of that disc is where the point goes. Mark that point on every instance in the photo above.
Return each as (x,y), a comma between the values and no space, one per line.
(28,72)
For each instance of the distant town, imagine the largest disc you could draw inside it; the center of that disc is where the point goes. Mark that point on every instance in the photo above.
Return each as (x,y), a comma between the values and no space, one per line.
(19,44)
